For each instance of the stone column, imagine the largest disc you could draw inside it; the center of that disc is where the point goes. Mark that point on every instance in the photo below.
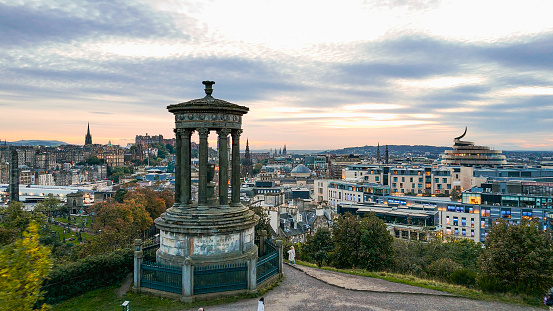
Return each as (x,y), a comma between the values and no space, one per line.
(188,278)
(202,181)
(223,166)
(138,256)
(185,166)
(178,164)
(278,244)
(252,272)
(235,180)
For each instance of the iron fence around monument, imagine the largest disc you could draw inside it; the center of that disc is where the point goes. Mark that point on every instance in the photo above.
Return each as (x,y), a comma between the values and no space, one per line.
(267,265)
(220,278)
(161,277)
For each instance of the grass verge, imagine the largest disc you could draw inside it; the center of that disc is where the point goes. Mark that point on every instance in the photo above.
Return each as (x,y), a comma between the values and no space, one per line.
(107,299)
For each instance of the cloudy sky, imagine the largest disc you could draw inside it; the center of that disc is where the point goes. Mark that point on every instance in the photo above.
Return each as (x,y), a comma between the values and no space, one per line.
(315,74)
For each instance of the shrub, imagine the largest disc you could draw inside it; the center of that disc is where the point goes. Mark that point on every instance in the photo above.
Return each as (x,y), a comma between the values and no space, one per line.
(443,268)
(464,277)
(90,273)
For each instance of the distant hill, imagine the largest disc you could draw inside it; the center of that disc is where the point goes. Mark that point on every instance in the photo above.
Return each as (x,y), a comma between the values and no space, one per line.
(416,150)
(47,143)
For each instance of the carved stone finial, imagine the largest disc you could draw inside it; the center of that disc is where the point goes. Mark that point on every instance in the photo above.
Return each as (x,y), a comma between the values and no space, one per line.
(208,87)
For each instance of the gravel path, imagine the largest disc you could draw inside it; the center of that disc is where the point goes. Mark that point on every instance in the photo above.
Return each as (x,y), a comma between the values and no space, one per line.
(299,291)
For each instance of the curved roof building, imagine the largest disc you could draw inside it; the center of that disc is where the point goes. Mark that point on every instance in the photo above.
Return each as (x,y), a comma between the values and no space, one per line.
(465,153)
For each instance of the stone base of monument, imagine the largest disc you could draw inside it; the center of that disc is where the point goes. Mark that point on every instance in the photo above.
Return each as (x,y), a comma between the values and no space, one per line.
(206,235)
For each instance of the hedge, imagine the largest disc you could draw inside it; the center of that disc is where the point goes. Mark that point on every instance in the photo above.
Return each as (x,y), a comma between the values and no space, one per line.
(93,272)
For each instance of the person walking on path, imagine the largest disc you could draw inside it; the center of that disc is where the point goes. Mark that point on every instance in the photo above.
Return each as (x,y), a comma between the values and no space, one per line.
(292,255)
(261,304)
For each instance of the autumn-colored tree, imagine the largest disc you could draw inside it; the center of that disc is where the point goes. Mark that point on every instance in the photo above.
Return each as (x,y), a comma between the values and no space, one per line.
(23,267)
(152,201)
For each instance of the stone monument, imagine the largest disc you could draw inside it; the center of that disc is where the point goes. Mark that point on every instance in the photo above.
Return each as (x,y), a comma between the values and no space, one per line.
(211,230)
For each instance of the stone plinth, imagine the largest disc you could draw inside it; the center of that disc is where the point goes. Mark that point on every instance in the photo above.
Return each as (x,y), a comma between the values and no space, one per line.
(207,236)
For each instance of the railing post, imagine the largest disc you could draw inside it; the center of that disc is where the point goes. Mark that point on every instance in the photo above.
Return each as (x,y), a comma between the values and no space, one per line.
(252,272)
(138,257)
(188,278)
(262,247)
(278,244)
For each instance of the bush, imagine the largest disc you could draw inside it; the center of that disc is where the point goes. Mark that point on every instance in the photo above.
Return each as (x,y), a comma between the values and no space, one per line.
(464,277)
(93,272)
(443,268)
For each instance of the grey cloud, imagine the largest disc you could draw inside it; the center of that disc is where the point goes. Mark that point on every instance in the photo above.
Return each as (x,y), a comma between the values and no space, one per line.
(536,53)
(20,25)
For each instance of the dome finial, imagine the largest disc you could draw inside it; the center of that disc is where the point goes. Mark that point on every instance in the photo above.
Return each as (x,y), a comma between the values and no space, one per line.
(208,87)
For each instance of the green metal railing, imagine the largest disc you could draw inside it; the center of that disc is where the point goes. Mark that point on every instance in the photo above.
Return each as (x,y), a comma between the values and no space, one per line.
(220,278)
(267,265)
(161,277)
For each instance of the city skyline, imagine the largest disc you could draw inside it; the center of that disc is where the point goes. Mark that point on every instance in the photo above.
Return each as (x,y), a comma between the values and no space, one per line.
(315,75)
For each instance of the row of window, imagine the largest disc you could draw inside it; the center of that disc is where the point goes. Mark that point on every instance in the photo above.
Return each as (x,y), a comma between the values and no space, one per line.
(456,221)
(456,231)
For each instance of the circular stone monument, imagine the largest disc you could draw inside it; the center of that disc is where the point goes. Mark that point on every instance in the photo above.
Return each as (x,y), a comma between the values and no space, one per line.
(211,230)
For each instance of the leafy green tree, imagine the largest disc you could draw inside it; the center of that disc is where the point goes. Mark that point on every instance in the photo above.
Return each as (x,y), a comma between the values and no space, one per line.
(264,222)
(120,195)
(319,246)
(51,206)
(23,267)
(375,244)
(16,220)
(346,236)
(517,259)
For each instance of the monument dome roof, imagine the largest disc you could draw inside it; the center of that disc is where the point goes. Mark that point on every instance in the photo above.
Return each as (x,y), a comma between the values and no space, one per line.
(301,169)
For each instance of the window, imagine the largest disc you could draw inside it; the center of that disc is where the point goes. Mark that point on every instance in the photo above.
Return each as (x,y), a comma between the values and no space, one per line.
(464,232)
(456,231)
(485,213)
(394,184)
(455,221)
(376,178)
(395,178)
(410,179)
(444,180)
(506,213)
(472,233)
(447,220)
(436,180)
(448,230)
(472,222)
(463,222)
(420,179)
(482,224)
(403,179)
(526,214)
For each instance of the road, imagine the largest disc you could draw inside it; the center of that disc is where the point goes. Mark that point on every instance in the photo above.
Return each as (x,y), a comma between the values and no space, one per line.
(325,290)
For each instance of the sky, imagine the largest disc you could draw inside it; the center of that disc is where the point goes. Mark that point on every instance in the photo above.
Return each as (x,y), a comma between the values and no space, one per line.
(315,74)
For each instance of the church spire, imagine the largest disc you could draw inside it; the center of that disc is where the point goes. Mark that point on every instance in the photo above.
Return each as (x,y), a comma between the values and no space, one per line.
(88,137)
(378,153)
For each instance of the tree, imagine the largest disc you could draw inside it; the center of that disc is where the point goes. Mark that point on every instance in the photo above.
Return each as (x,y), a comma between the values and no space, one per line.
(23,267)
(264,222)
(455,195)
(375,244)
(517,258)
(319,245)
(51,206)
(346,236)
(16,220)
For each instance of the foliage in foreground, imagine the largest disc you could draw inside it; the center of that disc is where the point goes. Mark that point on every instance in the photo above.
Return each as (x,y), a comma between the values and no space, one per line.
(23,267)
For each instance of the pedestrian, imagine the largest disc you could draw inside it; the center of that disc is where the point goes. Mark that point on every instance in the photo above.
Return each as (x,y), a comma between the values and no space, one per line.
(261,304)
(292,255)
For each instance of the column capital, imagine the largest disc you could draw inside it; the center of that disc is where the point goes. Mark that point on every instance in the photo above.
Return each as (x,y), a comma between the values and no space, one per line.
(223,132)
(184,131)
(236,133)
(203,131)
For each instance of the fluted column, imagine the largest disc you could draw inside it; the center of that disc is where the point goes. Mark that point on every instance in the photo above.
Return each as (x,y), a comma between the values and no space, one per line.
(185,166)
(178,165)
(235,180)
(223,166)
(202,187)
